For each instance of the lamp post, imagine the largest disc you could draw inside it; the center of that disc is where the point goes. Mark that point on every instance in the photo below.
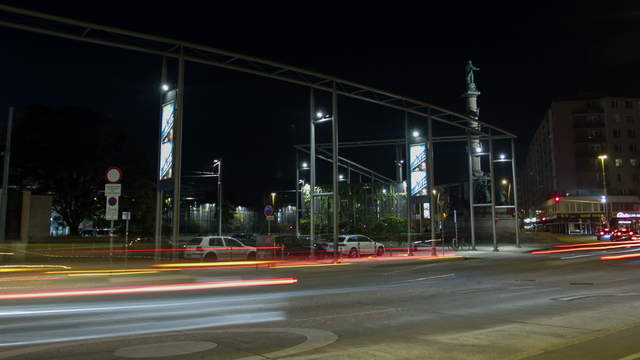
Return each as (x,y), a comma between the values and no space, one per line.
(506,182)
(218,163)
(604,189)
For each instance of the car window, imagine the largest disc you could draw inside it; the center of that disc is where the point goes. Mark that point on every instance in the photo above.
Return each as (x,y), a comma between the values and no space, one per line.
(216,242)
(233,242)
(352,239)
(195,241)
(364,239)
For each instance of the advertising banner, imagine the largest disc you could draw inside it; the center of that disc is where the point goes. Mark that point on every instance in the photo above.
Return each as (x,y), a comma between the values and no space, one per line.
(166,141)
(418,164)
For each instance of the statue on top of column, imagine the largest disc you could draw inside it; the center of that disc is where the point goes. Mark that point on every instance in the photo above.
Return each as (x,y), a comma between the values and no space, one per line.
(469,69)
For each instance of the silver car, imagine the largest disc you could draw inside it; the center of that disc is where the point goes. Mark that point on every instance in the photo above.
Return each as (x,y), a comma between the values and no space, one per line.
(218,248)
(356,245)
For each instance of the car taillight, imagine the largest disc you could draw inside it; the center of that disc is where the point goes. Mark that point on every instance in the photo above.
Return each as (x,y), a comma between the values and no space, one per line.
(601,233)
(199,249)
(630,232)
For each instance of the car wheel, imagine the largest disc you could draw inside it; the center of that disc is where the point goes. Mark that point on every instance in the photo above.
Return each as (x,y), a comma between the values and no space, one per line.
(353,253)
(210,257)
(380,251)
(251,256)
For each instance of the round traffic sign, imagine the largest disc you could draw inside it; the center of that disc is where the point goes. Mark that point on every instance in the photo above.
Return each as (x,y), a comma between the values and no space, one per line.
(113,175)
(113,201)
(268,210)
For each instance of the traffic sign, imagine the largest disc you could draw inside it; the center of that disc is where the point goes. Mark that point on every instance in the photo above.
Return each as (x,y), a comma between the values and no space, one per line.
(113,175)
(270,217)
(126,215)
(111,212)
(112,190)
(268,210)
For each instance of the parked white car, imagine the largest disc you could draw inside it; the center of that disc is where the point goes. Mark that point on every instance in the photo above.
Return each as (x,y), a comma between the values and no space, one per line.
(218,248)
(355,245)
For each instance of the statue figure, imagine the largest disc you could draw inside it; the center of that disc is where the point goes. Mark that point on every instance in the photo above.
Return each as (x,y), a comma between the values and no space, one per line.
(469,69)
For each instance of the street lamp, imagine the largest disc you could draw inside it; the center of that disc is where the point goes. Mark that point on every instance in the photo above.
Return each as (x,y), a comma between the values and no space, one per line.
(305,166)
(218,163)
(273,199)
(165,87)
(416,133)
(506,182)
(604,189)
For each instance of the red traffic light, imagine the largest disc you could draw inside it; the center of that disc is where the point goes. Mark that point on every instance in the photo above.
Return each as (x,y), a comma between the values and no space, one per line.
(556,199)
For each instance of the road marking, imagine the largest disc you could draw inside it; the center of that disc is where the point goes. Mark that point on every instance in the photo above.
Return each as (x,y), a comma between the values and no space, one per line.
(173,348)
(348,314)
(426,278)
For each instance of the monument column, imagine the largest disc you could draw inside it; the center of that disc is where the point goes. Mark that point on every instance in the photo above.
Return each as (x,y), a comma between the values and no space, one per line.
(473,111)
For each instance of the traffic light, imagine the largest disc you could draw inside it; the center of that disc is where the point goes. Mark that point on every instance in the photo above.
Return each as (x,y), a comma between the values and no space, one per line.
(556,199)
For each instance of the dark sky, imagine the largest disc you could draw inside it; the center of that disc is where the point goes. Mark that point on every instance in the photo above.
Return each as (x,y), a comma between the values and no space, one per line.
(529,55)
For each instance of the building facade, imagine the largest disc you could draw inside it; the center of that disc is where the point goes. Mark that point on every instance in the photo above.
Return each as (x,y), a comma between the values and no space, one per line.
(563,157)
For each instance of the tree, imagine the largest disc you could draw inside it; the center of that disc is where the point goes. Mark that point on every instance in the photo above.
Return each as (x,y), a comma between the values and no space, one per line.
(65,152)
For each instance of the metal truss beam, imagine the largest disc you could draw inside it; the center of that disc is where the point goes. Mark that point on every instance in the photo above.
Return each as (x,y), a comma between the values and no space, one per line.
(53,25)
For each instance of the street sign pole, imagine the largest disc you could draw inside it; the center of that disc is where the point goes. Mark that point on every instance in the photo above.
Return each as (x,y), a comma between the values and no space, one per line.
(5,179)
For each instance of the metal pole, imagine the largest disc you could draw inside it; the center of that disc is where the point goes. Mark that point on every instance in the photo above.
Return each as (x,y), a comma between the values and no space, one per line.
(5,179)
(431,187)
(408,190)
(312,163)
(220,197)
(471,208)
(336,195)
(493,195)
(604,190)
(177,152)
(515,192)
(159,193)
(297,194)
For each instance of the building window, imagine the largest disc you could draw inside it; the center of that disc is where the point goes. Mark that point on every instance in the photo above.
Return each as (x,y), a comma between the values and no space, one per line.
(633,162)
(629,119)
(619,177)
(613,104)
(616,133)
(616,118)
(617,148)
(619,163)
(628,104)
(596,148)
(633,148)
(631,133)
(635,178)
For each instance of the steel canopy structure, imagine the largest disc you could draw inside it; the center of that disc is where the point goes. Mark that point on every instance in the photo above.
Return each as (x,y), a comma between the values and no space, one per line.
(47,24)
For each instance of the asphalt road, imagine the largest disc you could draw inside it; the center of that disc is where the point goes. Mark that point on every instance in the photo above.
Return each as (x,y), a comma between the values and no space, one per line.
(507,305)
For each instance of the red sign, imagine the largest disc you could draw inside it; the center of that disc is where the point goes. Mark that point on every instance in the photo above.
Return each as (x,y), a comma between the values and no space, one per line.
(113,175)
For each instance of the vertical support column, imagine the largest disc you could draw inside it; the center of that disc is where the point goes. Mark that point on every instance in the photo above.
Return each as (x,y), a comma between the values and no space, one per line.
(471,201)
(493,195)
(431,187)
(515,193)
(177,152)
(297,184)
(312,164)
(408,189)
(220,197)
(159,193)
(5,179)
(334,143)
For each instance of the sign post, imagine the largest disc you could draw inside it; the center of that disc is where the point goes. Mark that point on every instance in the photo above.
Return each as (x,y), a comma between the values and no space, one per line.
(112,191)
(268,212)
(126,215)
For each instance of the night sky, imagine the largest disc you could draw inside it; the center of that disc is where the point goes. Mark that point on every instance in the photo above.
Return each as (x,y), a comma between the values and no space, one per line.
(528,57)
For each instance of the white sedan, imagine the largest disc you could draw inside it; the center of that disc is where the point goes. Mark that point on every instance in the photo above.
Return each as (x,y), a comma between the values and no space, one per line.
(218,248)
(356,245)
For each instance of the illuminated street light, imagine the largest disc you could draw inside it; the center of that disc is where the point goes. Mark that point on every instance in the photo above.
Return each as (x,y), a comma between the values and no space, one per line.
(341,177)
(602,158)
(504,182)
(319,114)
(503,156)
(384,191)
(305,166)
(416,133)
(165,87)
(273,199)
